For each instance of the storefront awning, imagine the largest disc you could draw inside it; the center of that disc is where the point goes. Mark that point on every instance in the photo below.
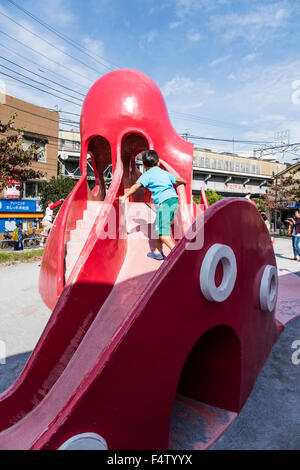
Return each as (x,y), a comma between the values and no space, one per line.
(21,215)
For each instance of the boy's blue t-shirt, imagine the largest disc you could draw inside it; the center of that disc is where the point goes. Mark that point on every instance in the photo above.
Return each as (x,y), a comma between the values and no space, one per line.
(160,183)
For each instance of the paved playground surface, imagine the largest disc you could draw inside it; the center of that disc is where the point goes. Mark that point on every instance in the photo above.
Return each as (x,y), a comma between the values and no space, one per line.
(270,418)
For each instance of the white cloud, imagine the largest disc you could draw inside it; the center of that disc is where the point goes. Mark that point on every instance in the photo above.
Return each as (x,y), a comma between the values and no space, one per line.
(180,85)
(193,36)
(94,46)
(185,8)
(250,57)
(147,39)
(256,25)
(174,24)
(56,11)
(219,60)
(185,95)
(49,64)
(231,76)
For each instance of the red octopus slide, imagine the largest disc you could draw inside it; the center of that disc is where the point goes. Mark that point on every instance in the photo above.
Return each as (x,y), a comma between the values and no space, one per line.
(140,353)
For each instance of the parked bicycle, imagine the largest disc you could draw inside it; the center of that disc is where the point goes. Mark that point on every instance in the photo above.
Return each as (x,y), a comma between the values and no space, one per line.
(7,241)
(31,238)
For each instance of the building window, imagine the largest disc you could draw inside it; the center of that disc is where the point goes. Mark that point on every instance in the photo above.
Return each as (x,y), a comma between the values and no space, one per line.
(27,141)
(31,190)
(71,168)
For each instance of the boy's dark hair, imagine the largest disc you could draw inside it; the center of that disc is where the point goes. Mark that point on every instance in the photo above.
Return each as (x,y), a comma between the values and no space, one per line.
(150,158)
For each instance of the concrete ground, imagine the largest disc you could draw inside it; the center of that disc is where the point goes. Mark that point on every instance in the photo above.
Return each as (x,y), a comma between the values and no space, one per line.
(269,420)
(23,317)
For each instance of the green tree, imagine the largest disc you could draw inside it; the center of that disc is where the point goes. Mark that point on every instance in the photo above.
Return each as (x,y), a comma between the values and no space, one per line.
(212,196)
(56,189)
(15,162)
(260,204)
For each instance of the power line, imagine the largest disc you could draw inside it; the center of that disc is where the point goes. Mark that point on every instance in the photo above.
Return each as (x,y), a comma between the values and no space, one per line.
(48,58)
(195,137)
(52,45)
(76,123)
(41,76)
(40,89)
(182,115)
(67,112)
(196,118)
(223,140)
(33,114)
(39,68)
(70,123)
(63,36)
(40,83)
(43,117)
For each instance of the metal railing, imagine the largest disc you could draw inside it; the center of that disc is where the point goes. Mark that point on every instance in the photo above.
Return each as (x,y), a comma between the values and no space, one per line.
(27,245)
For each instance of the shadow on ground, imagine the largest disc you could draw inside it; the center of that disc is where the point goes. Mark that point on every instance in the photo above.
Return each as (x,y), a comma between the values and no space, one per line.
(11,370)
(271,416)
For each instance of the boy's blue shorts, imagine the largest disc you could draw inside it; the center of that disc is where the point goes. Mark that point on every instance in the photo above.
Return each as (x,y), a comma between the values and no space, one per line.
(165,214)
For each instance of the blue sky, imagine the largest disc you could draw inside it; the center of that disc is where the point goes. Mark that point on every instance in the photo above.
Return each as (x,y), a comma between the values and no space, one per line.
(227,68)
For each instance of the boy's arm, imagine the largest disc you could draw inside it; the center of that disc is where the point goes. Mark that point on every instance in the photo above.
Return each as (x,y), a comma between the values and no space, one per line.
(131,191)
(180,180)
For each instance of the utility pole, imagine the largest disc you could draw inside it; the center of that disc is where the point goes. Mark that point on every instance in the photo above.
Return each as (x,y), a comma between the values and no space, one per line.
(186,134)
(275,225)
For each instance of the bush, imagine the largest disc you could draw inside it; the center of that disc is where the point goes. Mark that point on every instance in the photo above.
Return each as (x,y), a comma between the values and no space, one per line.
(212,196)
(56,189)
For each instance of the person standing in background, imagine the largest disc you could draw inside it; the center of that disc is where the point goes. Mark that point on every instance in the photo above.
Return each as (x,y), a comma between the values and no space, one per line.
(17,237)
(295,230)
(266,220)
(47,222)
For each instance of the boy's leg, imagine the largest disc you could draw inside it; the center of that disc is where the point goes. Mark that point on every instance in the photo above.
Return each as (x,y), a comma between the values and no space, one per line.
(168,213)
(168,241)
(158,246)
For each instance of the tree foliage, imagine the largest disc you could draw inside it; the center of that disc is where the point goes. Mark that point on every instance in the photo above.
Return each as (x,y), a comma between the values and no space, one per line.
(56,189)
(15,162)
(282,192)
(212,196)
(261,205)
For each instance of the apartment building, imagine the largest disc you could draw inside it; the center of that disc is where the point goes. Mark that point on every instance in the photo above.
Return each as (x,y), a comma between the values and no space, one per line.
(41,126)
